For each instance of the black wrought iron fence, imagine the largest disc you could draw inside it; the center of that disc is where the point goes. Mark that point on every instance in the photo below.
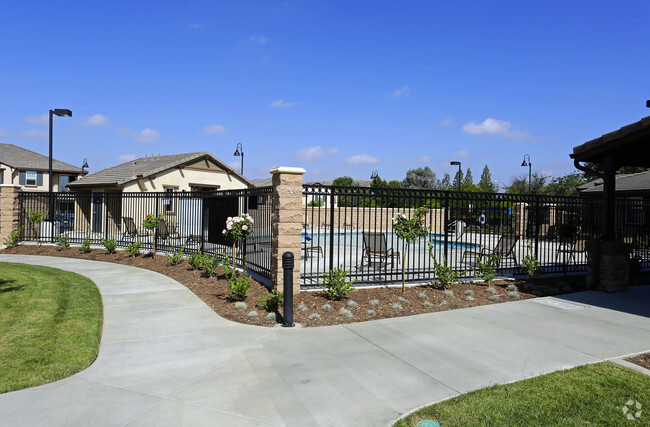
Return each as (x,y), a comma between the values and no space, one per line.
(191,221)
(352,228)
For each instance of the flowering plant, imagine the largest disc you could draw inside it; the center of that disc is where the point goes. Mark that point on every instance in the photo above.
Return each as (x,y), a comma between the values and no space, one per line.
(237,228)
(151,222)
(410,230)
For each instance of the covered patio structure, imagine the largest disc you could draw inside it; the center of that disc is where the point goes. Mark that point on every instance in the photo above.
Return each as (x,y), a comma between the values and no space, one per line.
(608,266)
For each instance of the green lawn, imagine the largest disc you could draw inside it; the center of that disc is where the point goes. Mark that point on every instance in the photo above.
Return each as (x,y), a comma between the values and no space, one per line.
(587,395)
(50,323)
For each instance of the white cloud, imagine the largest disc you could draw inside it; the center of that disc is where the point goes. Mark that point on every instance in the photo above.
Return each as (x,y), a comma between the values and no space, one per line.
(401,92)
(362,159)
(95,120)
(446,122)
(461,153)
(258,39)
(313,153)
(123,158)
(492,126)
(215,129)
(34,133)
(123,131)
(3,132)
(148,135)
(279,103)
(43,119)
(422,160)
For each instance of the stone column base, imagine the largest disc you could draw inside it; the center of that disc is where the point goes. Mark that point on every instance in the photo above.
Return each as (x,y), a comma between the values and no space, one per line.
(608,268)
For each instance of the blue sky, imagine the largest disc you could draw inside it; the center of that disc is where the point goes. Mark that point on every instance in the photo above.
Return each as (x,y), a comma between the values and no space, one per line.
(336,87)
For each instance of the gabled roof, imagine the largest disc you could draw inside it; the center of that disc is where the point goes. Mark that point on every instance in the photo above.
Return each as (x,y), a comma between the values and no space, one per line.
(146,167)
(633,182)
(22,159)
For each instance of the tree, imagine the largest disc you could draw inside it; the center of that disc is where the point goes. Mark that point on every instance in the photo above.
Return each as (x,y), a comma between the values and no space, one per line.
(468,182)
(485,185)
(566,185)
(345,181)
(421,178)
(519,184)
(458,180)
(446,182)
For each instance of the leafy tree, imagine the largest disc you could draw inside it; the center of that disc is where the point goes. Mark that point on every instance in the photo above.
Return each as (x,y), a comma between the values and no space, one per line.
(345,181)
(445,184)
(458,180)
(379,183)
(394,184)
(421,178)
(486,185)
(410,230)
(566,185)
(622,170)
(519,184)
(468,182)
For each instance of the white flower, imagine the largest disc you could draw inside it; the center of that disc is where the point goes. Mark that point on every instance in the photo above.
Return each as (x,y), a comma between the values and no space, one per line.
(244,227)
(228,226)
(229,219)
(225,231)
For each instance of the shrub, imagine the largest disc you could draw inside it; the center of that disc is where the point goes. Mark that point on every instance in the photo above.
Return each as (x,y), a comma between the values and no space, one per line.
(272,301)
(397,307)
(335,284)
(512,287)
(314,316)
(62,242)
(240,305)
(469,298)
(238,286)
(196,260)
(134,248)
(427,304)
(346,313)
(444,274)
(237,228)
(491,290)
(302,307)
(422,295)
(486,268)
(110,245)
(374,302)
(531,264)
(85,244)
(14,237)
(176,258)
(270,316)
(410,230)
(371,312)
(252,315)
(402,299)
(469,292)
(352,304)
(449,294)
(494,298)
(326,307)
(514,295)
(151,222)
(316,203)
(36,217)
(210,265)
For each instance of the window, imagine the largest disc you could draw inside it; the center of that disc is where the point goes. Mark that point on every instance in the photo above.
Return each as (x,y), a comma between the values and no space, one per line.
(2,176)
(168,202)
(30,178)
(63,181)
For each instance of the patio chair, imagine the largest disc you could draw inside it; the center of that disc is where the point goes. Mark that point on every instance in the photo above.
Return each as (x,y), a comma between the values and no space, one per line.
(504,249)
(571,249)
(131,230)
(308,246)
(457,228)
(375,247)
(167,232)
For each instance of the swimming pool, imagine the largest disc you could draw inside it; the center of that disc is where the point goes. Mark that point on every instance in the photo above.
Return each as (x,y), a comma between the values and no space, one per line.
(356,239)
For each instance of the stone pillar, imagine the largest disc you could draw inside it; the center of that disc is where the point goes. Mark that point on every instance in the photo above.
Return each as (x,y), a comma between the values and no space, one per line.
(521,219)
(286,222)
(9,210)
(608,266)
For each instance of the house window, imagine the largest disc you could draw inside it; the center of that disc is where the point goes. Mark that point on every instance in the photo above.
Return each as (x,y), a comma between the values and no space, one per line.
(168,202)
(63,181)
(30,178)
(2,176)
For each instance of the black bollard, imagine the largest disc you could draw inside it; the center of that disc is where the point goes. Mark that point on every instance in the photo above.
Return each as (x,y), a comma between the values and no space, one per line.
(287,289)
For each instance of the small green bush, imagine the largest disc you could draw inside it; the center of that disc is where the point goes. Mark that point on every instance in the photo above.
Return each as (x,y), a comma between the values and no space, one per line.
(486,268)
(531,264)
(85,244)
(335,284)
(134,248)
(110,245)
(14,237)
(210,265)
(176,258)
(445,276)
(238,286)
(272,301)
(196,260)
(62,242)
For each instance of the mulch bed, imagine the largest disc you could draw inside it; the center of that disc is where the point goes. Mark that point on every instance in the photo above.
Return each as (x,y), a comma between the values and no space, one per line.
(641,360)
(310,308)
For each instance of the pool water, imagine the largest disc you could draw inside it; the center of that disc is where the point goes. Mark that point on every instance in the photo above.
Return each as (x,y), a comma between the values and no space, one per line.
(356,239)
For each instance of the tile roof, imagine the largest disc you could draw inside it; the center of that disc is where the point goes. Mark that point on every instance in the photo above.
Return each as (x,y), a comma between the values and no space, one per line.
(146,166)
(22,159)
(624,182)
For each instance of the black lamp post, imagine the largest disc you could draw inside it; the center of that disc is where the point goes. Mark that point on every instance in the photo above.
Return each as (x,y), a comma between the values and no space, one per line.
(530,165)
(84,166)
(61,112)
(240,153)
(455,163)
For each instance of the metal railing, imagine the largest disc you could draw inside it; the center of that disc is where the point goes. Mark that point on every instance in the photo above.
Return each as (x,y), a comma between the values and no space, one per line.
(346,226)
(192,221)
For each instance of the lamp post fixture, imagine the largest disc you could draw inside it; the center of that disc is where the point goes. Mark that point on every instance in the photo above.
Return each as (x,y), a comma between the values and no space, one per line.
(530,165)
(240,152)
(84,166)
(61,112)
(456,163)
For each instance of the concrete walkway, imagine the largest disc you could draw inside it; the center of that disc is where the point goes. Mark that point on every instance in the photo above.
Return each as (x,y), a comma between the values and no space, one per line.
(167,359)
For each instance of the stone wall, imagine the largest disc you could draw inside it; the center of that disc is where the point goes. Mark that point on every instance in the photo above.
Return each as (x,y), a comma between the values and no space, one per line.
(9,211)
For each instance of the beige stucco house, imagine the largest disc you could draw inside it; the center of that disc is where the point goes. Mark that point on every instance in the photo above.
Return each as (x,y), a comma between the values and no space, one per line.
(29,170)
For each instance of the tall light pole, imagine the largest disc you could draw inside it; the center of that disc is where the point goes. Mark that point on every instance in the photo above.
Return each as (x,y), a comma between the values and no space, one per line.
(530,166)
(61,112)
(83,167)
(456,163)
(240,152)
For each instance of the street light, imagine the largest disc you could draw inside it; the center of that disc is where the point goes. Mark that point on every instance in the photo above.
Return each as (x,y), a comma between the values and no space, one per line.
(455,163)
(239,153)
(84,166)
(61,112)
(530,165)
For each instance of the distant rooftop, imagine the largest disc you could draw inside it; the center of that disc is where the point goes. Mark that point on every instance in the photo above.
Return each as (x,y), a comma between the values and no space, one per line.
(20,158)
